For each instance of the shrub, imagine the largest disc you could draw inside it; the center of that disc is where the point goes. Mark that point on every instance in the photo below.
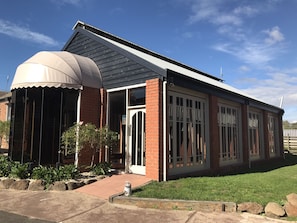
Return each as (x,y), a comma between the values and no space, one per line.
(101,168)
(5,166)
(80,135)
(48,174)
(19,170)
(51,174)
(4,130)
(68,172)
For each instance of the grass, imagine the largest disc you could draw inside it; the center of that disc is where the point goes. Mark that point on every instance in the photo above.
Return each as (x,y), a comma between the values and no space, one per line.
(261,185)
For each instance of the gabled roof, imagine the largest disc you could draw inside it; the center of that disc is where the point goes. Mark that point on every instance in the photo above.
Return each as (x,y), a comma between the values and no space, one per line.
(131,45)
(158,60)
(163,63)
(57,69)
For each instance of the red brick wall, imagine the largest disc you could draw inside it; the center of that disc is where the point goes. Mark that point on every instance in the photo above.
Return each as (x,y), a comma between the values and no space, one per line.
(103,106)
(245,136)
(154,126)
(102,123)
(214,133)
(3,109)
(3,117)
(90,105)
(89,113)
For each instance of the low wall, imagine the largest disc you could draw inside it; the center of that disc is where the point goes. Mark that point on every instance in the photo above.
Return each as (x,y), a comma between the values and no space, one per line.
(166,204)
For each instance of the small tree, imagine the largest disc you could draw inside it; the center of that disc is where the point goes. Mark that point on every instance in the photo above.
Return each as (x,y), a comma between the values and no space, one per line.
(81,135)
(4,131)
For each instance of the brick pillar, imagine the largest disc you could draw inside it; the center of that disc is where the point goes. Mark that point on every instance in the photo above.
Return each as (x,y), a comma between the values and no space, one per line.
(103,106)
(154,126)
(245,136)
(281,135)
(89,113)
(102,121)
(89,109)
(214,133)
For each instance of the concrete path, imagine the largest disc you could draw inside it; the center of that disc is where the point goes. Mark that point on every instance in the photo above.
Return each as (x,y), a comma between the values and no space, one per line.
(89,204)
(112,185)
(74,207)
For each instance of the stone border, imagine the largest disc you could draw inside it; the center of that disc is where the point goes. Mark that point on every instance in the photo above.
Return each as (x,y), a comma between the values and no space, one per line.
(272,209)
(39,185)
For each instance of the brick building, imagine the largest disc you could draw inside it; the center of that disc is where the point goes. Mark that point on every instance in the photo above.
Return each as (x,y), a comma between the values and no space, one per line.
(172,120)
(5,98)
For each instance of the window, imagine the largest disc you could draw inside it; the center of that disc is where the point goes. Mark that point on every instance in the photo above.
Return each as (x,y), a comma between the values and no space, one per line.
(273,141)
(228,123)
(188,133)
(255,134)
(137,96)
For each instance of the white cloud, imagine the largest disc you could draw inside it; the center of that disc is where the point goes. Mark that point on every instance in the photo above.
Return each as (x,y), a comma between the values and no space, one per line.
(273,87)
(249,52)
(20,32)
(67,2)
(215,12)
(252,49)
(248,46)
(244,68)
(245,10)
(274,35)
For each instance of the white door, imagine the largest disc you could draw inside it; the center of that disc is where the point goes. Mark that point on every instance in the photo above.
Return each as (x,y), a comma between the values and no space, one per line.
(136,136)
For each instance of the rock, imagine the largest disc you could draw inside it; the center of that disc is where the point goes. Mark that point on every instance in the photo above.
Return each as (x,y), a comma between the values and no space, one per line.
(74,185)
(274,209)
(292,199)
(58,185)
(1,185)
(290,209)
(37,185)
(89,181)
(6,183)
(20,185)
(250,207)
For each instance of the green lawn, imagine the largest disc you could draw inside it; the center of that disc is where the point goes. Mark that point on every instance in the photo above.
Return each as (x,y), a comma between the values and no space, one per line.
(270,183)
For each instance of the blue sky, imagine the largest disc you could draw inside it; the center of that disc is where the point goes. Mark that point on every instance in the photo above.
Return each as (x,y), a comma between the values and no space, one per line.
(254,42)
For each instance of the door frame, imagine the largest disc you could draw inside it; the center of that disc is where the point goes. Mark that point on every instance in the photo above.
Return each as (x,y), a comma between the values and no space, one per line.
(136,169)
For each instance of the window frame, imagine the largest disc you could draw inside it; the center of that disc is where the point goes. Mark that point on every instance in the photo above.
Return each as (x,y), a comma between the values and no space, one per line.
(232,127)
(252,135)
(184,112)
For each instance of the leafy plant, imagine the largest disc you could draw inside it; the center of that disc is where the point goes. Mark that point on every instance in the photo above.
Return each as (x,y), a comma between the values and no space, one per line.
(51,174)
(5,166)
(67,172)
(48,174)
(101,168)
(82,135)
(19,170)
(4,131)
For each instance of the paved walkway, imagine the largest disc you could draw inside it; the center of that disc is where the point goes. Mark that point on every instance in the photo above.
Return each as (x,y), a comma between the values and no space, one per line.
(74,207)
(112,185)
(89,204)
